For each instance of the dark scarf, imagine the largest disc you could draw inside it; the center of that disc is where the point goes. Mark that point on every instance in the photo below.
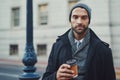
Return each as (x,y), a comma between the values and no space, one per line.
(81,54)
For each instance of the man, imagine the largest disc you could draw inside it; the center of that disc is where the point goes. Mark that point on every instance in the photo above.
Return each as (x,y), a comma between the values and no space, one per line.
(94,57)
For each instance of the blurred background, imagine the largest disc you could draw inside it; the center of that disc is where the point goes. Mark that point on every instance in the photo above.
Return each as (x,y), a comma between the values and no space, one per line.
(50,19)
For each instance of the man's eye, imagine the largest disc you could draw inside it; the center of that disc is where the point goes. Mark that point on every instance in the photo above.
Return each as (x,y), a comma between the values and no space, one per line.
(84,17)
(75,17)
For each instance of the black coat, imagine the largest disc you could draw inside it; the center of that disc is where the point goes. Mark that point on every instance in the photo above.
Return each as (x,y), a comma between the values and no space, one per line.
(99,60)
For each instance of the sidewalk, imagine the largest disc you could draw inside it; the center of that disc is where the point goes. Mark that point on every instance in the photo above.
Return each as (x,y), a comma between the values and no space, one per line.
(40,65)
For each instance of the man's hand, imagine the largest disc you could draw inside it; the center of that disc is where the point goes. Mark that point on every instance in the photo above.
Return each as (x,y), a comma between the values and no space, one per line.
(64,72)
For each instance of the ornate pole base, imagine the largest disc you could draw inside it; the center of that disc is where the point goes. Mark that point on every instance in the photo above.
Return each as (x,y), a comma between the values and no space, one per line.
(29,61)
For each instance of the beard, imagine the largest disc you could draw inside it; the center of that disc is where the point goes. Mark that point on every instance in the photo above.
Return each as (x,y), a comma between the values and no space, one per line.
(81,30)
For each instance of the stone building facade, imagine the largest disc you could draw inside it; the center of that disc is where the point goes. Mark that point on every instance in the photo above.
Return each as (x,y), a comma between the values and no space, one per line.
(50,20)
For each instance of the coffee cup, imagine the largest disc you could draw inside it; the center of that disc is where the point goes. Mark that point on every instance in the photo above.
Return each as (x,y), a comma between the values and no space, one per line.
(74,66)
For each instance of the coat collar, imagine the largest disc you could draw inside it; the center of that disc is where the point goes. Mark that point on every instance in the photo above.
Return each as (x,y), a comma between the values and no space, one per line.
(64,38)
(93,38)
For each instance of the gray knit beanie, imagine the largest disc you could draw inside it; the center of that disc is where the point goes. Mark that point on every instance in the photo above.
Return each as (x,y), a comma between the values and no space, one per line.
(87,8)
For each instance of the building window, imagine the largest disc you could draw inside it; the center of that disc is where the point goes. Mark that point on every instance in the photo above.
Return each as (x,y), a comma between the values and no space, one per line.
(15,17)
(41,49)
(43,14)
(14,49)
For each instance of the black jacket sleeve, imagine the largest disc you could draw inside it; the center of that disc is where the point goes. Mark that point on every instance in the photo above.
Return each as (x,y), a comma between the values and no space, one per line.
(109,68)
(50,73)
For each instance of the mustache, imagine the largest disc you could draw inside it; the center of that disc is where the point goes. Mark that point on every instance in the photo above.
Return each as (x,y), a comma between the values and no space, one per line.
(79,25)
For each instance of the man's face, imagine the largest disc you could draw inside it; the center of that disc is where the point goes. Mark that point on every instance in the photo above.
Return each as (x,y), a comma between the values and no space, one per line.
(79,20)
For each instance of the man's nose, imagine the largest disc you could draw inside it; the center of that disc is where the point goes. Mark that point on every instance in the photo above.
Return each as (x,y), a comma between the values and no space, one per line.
(79,20)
